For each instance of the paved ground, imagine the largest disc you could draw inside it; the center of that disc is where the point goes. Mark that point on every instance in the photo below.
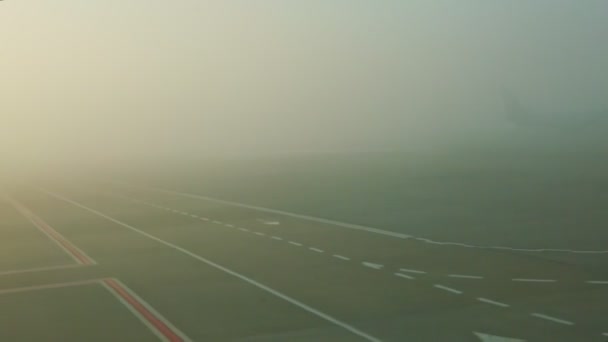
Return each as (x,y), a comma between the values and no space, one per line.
(121,263)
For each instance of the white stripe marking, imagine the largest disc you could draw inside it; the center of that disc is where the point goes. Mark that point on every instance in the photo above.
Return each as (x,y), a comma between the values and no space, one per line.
(295,243)
(50,286)
(217,222)
(534,280)
(195,216)
(605,334)
(404,276)
(493,302)
(372,265)
(259,233)
(276,238)
(412,271)
(226,270)
(464,276)
(552,319)
(342,257)
(598,282)
(204,219)
(316,249)
(448,289)
(229,225)
(41,269)
(243,229)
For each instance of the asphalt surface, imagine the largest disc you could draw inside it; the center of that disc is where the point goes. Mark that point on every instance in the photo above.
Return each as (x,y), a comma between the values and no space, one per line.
(212,271)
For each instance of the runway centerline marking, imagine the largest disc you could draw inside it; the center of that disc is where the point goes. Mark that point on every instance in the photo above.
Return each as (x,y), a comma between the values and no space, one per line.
(531,280)
(492,302)
(552,319)
(448,289)
(401,275)
(295,243)
(235,274)
(341,257)
(360,227)
(316,250)
(464,276)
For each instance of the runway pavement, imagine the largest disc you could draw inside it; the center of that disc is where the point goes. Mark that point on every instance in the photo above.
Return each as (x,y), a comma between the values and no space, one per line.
(122,263)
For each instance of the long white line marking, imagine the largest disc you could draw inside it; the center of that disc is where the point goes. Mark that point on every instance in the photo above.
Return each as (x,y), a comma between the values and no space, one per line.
(464,276)
(534,280)
(49,286)
(448,289)
(412,271)
(605,334)
(341,257)
(41,269)
(552,319)
(598,282)
(404,276)
(225,269)
(316,249)
(362,228)
(295,243)
(260,233)
(278,238)
(243,229)
(493,302)
(229,225)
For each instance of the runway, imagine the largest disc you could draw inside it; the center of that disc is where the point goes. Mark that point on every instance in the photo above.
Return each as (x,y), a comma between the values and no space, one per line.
(123,263)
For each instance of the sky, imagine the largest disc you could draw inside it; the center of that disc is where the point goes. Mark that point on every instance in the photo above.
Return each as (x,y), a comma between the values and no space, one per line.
(96,80)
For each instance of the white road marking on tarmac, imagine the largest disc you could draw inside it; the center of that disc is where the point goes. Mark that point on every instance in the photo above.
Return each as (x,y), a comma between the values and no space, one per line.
(41,269)
(295,243)
(552,319)
(217,222)
(412,271)
(605,334)
(277,238)
(229,225)
(316,249)
(259,233)
(363,228)
(448,289)
(270,223)
(404,276)
(493,302)
(534,280)
(243,229)
(235,274)
(341,257)
(372,265)
(494,338)
(195,216)
(598,282)
(464,276)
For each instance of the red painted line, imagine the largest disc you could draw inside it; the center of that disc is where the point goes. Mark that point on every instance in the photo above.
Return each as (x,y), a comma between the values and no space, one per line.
(156,322)
(82,258)
(79,256)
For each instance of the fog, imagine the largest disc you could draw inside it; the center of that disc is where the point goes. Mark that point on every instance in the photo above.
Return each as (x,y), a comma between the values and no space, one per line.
(119,80)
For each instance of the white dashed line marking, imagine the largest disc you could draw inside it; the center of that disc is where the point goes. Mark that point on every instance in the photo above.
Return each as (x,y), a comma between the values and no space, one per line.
(341,257)
(411,271)
(243,229)
(217,222)
(552,319)
(404,276)
(598,282)
(605,334)
(372,265)
(295,243)
(277,238)
(464,276)
(229,225)
(259,233)
(493,302)
(195,216)
(316,249)
(534,280)
(204,219)
(448,289)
